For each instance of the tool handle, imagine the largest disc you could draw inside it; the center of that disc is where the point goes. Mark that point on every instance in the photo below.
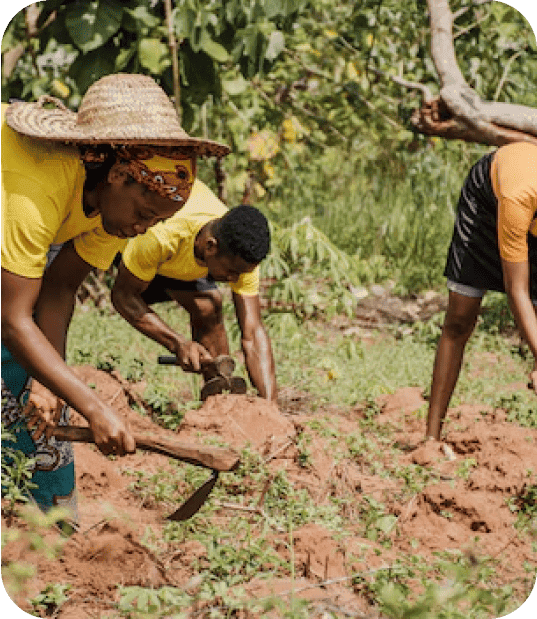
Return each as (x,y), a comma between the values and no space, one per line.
(215,458)
(167,360)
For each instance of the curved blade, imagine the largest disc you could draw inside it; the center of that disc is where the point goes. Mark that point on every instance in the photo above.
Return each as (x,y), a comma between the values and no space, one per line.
(195,501)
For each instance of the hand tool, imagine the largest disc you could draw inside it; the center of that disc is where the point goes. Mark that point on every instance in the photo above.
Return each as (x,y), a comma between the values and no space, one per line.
(215,458)
(218,374)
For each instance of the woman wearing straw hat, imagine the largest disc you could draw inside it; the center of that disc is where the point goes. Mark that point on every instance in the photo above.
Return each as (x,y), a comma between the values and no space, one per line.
(84,182)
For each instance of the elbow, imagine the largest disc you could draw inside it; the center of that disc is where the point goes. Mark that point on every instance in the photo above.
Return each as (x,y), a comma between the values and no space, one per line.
(118,300)
(12,329)
(125,304)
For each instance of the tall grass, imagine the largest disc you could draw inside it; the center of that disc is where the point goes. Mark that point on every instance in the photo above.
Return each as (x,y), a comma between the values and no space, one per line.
(371,203)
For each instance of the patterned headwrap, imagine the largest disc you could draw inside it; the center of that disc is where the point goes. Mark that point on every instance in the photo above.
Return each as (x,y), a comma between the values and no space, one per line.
(166,171)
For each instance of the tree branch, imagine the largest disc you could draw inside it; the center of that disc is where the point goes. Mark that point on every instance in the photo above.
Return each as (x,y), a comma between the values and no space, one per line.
(175,61)
(459,113)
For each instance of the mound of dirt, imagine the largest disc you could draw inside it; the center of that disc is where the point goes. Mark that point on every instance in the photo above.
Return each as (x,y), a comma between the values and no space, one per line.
(238,421)
(106,557)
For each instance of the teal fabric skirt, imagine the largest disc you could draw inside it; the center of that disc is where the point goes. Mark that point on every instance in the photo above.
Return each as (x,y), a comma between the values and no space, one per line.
(54,469)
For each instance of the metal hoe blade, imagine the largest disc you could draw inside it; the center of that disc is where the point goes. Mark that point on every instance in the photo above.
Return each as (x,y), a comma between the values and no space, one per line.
(195,501)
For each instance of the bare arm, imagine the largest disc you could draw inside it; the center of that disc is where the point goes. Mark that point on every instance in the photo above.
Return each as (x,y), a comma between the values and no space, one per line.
(516,277)
(128,301)
(256,345)
(40,348)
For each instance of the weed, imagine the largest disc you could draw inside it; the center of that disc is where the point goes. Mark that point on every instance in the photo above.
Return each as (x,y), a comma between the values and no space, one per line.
(17,472)
(17,574)
(465,467)
(520,408)
(51,598)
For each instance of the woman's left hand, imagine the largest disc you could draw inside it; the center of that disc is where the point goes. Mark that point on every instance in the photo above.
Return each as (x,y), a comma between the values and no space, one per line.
(43,411)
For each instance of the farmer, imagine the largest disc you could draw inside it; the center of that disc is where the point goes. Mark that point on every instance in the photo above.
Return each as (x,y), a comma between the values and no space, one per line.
(181,259)
(84,183)
(494,247)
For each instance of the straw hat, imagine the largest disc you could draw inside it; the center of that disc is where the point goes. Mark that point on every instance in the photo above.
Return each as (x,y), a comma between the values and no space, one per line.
(117,109)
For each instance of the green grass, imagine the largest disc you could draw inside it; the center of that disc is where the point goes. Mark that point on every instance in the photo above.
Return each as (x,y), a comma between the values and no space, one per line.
(398,207)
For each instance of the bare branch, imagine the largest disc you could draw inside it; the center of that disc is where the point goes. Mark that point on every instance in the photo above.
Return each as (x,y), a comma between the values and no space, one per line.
(459,113)
(172,41)
(505,74)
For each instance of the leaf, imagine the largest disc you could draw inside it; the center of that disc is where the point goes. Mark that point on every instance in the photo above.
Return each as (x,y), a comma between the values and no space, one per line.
(91,25)
(124,57)
(143,17)
(184,22)
(88,68)
(276,45)
(273,8)
(154,55)
(213,49)
(236,86)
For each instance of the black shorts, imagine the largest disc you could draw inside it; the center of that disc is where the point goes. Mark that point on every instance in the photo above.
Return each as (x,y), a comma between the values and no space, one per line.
(156,291)
(474,255)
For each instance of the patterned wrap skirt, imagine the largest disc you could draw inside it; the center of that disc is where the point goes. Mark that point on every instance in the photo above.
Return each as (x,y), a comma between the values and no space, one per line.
(54,468)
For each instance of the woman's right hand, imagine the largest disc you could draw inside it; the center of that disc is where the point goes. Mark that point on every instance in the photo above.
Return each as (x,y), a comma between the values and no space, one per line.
(112,434)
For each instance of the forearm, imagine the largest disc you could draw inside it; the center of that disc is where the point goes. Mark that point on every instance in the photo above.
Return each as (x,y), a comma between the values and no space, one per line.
(53,314)
(41,360)
(260,363)
(137,313)
(525,317)
(516,277)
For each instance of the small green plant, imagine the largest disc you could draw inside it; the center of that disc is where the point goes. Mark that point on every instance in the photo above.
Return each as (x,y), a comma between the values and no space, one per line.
(525,506)
(465,467)
(520,408)
(16,574)
(50,600)
(17,472)
(142,602)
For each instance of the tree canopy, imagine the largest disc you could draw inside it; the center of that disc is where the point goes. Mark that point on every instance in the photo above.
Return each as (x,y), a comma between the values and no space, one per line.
(270,75)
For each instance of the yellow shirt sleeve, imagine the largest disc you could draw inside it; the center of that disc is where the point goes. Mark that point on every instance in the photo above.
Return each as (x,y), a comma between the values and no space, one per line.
(514,180)
(247,284)
(143,255)
(42,187)
(29,224)
(98,248)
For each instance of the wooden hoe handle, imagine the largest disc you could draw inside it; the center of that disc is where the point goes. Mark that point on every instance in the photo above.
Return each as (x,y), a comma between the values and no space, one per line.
(215,458)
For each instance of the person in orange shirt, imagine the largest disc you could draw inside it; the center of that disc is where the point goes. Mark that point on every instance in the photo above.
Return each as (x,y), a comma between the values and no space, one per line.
(494,247)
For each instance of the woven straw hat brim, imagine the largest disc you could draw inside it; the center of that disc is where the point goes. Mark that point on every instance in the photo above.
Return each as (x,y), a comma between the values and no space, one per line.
(61,126)
(117,109)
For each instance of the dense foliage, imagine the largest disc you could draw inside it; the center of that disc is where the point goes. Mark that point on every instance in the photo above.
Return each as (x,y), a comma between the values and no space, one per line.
(303,92)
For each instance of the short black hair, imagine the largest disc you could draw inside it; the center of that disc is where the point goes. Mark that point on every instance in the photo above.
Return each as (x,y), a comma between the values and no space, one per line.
(243,231)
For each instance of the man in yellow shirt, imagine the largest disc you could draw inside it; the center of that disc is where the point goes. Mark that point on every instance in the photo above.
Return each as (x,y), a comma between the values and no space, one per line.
(83,182)
(494,247)
(180,259)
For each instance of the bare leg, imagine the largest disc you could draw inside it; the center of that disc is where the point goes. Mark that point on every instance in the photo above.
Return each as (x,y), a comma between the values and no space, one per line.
(459,323)
(206,318)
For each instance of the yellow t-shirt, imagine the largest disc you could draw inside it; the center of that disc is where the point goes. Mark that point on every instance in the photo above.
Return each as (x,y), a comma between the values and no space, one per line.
(514,181)
(42,186)
(168,247)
